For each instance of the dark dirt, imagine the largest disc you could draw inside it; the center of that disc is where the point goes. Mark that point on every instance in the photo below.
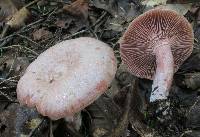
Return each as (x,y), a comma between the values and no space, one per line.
(124,110)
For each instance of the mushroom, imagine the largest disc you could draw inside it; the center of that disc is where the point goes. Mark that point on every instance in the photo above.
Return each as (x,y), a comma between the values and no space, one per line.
(155,44)
(67,77)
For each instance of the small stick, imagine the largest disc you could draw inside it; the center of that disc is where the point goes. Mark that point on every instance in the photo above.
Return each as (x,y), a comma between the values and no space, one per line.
(27,38)
(50,128)
(5,29)
(31,3)
(13,46)
(9,79)
(6,96)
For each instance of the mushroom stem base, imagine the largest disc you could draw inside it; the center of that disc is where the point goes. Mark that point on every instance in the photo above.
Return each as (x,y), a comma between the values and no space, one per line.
(164,73)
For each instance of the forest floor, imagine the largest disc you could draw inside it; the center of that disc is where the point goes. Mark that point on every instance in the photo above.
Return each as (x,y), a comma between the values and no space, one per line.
(30,27)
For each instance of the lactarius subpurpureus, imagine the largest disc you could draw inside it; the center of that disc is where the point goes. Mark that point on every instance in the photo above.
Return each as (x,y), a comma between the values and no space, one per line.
(154,45)
(67,77)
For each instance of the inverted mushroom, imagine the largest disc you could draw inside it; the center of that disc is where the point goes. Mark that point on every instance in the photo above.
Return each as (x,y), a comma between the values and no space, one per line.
(67,77)
(154,46)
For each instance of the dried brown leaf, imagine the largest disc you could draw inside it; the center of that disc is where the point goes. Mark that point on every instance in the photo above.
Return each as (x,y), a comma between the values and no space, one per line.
(120,129)
(19,18)
(8,8)
(192,63)
(64,23)
(104,114)
(110,6)
(8,121)
(191,80)
(60,23)
(41,34)
(78,8)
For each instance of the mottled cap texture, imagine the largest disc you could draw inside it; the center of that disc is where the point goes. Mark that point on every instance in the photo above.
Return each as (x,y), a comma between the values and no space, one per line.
(67,77)
(151,30)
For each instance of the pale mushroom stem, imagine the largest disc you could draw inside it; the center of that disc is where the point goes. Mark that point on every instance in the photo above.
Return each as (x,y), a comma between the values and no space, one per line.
(164,73)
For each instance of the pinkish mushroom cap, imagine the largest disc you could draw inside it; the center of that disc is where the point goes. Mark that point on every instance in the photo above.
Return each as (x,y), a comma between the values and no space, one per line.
(155,44)
(67,77)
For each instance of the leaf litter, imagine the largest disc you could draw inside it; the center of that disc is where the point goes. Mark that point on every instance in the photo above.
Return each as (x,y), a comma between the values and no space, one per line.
(124,110)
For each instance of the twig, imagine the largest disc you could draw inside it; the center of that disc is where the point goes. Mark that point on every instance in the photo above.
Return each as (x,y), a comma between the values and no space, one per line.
(99,22)
(75,34)
(50,128)
(185,132)
(73,131)
(31,24)
(22,30)
(6,41)
(31,3)
(27,38)
(7,37)
(9,79)
(184,1)
(11,68)
(88,29)
(51,13)
(32,51)
(7,87)
(93,33)
(6,96)
(5,29)
(100,18)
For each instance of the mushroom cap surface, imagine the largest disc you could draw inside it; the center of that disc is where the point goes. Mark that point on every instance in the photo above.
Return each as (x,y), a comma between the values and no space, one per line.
(67,77)
(148,31)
